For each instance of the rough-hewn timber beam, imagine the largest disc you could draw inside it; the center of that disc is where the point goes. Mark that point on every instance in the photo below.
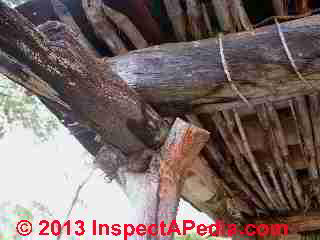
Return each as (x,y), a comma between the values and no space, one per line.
(53,53)
(188,76)
(73,76)
(299,222)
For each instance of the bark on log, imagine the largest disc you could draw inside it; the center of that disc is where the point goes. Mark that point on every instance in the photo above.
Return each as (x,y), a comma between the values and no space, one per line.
(257,62)
(57,63)
(99,97)
(22,75)
(52,59)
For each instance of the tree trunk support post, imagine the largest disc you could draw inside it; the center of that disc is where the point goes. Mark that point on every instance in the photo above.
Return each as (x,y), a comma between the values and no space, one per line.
(155,193)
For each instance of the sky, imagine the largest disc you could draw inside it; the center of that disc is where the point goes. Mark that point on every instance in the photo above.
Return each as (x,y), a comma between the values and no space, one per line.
(50,173)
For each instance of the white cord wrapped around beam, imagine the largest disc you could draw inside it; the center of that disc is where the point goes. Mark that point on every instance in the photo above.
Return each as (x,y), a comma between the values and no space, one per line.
(227,72)
(289,55)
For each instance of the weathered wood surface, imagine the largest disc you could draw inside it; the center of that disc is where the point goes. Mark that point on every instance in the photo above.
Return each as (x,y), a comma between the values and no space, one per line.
(40,11)
(231,15)
(297,222)
(96,95)
(82,82)
(77,78)
(180,151)
(65,16)
(190,76)
(22,75)
(125,25)
(265,72)
(196,20)
(103,28)
(280,7)
(178,19)
(155,193)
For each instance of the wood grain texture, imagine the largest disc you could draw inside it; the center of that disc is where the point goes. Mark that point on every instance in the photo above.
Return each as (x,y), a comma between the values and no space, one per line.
(196,20)
(280,7)
(125,25)
(297,222)
(65,16)
(102,27)
(181,148)
(80,80)
(178,18)
(156,192)
(189,76)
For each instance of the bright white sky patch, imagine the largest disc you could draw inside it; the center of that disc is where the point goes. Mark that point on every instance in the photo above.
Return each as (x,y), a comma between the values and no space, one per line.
(50,174)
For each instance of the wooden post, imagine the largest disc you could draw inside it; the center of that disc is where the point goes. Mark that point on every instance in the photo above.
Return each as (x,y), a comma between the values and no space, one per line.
(155,193)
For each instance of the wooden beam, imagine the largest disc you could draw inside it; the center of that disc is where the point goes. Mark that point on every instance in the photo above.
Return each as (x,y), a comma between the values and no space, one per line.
(190,76)
(156,192)
(182,147)
(23,76)
(54,54)
(40,11)
(224,16)
(56,57)
(65,16)
(125,25)
(302,6)
(178,18)
(231,15)
(264,74)
(280,7)
(297,222)
(196,19)
(102,27)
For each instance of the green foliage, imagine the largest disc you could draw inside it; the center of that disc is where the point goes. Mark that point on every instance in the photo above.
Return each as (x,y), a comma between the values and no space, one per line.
(191,236)
(19,109)
(11,213)
(22,213)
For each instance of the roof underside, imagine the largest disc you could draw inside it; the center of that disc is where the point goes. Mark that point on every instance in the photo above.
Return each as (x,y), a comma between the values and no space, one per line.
(267,157)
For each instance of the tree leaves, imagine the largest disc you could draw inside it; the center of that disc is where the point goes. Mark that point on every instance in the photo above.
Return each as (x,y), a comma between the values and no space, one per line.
(18,108)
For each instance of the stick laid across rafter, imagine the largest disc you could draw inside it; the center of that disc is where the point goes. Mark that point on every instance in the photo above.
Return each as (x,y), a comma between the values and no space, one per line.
(182,147)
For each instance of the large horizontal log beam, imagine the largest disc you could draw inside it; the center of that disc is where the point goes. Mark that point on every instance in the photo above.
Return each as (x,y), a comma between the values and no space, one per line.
(190,76)
(99,97)
(296,222)
(51,62)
